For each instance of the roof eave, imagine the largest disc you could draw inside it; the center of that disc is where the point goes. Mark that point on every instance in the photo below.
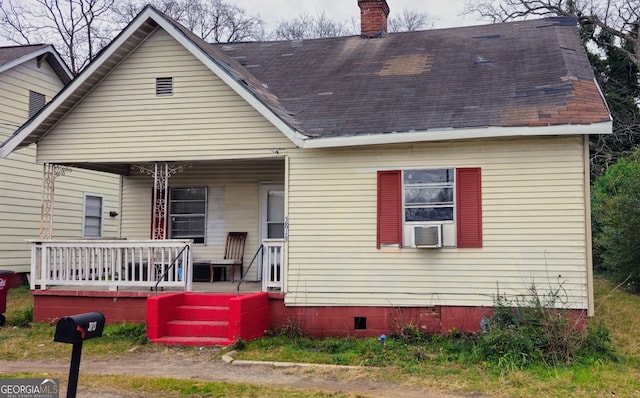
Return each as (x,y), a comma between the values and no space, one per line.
(605,127)
(58,64)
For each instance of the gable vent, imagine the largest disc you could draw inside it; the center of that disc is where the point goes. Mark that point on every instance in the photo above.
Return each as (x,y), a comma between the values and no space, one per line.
(164,86)
(37,101)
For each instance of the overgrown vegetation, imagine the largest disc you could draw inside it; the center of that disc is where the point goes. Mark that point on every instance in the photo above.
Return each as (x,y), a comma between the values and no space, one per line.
(616,222)
(523,332)
(531,331)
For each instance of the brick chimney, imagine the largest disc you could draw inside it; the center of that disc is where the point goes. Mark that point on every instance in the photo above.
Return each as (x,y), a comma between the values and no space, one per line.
(373,18)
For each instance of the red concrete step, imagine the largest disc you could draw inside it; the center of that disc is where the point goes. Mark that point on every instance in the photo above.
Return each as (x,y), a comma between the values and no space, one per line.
(202,313)
(206,319)
(198,328)
(193,341)
(221,300)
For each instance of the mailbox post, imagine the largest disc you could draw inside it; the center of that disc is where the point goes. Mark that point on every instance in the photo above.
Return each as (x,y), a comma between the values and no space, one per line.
(74,330)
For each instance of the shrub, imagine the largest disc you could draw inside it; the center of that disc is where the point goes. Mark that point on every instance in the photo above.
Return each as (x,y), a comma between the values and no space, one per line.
(616,222)
(522,332)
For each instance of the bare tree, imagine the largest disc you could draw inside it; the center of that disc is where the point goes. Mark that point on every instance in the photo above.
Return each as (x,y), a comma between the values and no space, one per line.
(306,26)
(215,21)
(411,20)
(618,18)
(78,28)
(614,27)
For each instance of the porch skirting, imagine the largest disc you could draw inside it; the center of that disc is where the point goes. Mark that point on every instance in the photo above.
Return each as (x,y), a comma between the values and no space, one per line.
(117,306)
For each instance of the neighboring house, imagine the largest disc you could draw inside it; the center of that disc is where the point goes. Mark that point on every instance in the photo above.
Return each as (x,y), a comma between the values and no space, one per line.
(407,177)
(30,76)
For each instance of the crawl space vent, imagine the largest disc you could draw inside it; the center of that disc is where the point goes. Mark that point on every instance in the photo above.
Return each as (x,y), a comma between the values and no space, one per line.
(164,86)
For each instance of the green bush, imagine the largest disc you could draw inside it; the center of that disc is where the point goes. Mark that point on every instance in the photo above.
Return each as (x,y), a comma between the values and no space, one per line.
(616,222)
(523,332)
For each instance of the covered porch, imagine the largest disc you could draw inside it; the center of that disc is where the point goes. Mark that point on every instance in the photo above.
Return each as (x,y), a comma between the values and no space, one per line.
(174,223)
(187,210)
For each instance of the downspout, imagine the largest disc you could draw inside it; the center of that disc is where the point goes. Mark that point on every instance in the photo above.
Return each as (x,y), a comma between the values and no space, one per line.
(588,237)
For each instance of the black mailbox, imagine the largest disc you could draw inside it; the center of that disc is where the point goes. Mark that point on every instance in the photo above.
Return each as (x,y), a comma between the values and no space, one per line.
(76,328)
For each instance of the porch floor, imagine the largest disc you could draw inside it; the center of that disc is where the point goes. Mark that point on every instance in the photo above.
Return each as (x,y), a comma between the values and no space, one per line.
(197,287)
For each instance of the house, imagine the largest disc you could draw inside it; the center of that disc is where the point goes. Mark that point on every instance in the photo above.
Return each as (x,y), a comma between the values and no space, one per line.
(383,179)
(30,76)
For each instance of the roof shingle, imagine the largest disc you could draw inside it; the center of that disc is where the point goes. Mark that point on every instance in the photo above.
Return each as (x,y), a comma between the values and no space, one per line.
(528,73)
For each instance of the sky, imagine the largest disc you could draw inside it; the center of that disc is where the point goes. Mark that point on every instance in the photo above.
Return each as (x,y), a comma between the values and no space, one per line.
(448,12)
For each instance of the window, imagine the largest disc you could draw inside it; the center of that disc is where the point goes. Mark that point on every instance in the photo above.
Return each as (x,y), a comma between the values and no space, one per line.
(430,195)
(187,211)
(37,101)
(164,86)
(92,220)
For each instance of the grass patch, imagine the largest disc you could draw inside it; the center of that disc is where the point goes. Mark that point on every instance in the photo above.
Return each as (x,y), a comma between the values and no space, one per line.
(168,388)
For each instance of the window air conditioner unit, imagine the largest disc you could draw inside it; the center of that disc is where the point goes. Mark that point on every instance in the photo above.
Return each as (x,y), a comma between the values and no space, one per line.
(427,236)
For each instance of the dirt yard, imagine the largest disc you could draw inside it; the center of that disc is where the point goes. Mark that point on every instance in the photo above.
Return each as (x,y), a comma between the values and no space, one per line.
(174,363)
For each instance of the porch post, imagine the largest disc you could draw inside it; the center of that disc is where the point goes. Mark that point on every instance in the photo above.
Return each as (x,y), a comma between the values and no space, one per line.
(160,200)
(161,171)
(49,174)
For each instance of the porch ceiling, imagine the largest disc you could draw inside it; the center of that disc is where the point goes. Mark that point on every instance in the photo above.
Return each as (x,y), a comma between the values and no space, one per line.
(126,169)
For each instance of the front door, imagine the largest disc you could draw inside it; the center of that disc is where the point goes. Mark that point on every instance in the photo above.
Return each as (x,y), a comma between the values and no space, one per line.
(271,214)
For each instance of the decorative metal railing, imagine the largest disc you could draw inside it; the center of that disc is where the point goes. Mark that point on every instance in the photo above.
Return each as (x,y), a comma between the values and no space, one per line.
(111,264)
(273,265)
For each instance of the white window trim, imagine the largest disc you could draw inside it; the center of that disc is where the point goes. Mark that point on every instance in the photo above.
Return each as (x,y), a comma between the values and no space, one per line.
(404,202)
(206,211)
(84,215)
(449,226)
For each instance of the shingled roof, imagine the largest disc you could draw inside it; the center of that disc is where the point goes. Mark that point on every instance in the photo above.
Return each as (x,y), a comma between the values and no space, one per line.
(12,55)
(528,73)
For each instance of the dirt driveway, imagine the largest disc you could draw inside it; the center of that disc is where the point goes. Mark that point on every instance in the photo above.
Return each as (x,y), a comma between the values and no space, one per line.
(361,382)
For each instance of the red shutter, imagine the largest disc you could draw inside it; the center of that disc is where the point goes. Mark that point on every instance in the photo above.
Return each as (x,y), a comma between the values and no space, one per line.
(469,207)
(389,208)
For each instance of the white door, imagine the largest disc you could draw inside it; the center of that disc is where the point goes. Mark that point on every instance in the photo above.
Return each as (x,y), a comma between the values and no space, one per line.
(271,214)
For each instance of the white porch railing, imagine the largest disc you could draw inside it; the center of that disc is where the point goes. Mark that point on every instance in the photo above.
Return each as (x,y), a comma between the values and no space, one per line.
(111,264)
(273,265)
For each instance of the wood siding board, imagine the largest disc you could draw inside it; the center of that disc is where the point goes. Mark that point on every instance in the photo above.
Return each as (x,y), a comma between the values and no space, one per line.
(533,229)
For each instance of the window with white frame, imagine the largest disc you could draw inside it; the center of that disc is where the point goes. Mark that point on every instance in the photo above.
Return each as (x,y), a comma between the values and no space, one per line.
(92,219)
(187,213)
(428,195)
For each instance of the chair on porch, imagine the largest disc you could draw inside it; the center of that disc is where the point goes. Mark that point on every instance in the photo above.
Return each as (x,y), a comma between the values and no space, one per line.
(233,255)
